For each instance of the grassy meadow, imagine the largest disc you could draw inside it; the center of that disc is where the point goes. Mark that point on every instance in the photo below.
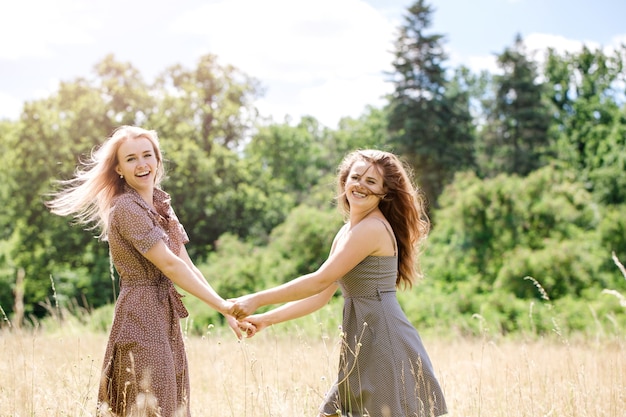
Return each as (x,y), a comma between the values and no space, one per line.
(285,370)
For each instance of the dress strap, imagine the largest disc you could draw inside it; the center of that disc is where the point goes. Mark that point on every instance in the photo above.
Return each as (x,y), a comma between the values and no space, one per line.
(391,235)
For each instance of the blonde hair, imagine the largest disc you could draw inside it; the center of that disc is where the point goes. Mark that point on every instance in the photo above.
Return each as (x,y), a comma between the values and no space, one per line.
(88,195)
(403,206)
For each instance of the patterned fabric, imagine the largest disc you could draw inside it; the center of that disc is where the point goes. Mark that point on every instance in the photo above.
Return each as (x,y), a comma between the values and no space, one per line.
(384,370)
(145,365)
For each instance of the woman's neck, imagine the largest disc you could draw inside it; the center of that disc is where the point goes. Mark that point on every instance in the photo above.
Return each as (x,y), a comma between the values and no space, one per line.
(357,217)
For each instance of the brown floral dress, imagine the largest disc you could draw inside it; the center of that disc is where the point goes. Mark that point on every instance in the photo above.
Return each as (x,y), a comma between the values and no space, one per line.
(145,366)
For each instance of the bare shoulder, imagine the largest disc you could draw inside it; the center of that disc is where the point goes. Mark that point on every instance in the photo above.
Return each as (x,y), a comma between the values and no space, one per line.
(374,224)
(369,229)
(377,231)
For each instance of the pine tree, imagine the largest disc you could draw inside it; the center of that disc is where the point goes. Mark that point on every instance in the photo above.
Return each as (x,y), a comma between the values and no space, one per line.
(515,139)
(429,124)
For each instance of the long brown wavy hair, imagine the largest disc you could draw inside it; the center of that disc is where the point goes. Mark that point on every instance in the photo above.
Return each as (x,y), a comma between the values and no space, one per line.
(403,206)
(88,195)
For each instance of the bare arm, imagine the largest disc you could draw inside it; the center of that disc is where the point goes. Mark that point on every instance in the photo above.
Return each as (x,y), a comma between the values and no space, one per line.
(292,310)
(348,250)
(183,273)
(232,322)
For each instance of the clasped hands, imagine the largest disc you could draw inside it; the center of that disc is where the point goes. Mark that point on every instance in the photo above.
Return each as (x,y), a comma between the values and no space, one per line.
(241,320)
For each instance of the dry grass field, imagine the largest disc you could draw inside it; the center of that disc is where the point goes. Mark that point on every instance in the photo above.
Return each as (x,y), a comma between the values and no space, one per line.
(55,373)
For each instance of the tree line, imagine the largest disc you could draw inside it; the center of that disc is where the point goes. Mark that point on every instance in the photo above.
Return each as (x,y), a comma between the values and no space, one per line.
(523,170)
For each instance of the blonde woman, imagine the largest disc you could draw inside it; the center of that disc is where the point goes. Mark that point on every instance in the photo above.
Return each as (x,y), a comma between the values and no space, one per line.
(384,369)
(118,191)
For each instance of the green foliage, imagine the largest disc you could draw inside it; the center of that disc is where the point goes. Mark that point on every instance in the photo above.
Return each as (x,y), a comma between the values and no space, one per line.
(458,309)
(220,192)
(54,133)
(304,240)
(562,267)
(295,155)
(369,131)
(8,272)
(612,231)
(515,139)
(609,163)
(526,253)
(7,281)
(586,90)
(209,104)
(298,246)
(521,255)
(203,116)
(484,226)
(430,124)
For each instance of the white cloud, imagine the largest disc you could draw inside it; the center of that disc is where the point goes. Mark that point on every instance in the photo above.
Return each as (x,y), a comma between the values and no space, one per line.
(10,107)
(332,49)
(297,38)
(346,97)
(31,28)
(479,63)
(619,40)
(540,42)
(330,100)
(536,44)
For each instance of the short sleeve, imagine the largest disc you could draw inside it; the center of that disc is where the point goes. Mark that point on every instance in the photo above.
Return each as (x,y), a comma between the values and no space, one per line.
(134,224)
(184,237)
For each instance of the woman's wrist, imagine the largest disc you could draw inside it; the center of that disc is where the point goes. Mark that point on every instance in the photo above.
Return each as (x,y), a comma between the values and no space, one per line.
(267,319)
(225,308)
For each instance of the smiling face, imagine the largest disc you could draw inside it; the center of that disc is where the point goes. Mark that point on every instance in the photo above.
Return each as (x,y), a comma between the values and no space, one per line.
(364,185)
(138,163)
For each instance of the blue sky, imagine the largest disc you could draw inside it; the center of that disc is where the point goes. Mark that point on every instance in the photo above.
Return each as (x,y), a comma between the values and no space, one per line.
(324,58)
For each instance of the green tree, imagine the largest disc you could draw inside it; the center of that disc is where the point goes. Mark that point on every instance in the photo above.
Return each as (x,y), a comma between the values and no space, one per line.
(8,270)
(586,89)
(209,104)
(297,156)
(297,246)
(205,117)
(430,124)
(222,192)
(515,137)
(369,130)
(495,232)
(54,133)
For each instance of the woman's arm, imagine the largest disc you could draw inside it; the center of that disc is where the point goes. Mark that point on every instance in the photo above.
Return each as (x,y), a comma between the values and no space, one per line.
(348,250)
(183,273)
(184,255)
(232,322)
(292,310)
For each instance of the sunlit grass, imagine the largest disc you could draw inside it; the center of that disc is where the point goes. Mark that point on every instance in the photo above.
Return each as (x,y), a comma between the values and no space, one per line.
(278,373)
(53,369)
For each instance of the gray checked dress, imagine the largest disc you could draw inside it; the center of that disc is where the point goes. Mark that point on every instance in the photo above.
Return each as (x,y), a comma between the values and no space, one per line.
(384,369)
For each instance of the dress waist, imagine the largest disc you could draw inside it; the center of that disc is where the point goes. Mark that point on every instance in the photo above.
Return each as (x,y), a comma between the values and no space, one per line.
(165,291)
(372,293)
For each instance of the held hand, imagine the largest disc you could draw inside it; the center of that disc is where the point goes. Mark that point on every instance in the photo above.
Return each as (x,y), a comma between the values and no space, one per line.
(235,326)
(227,310)
(256,321)
(247,328)
(244,306)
